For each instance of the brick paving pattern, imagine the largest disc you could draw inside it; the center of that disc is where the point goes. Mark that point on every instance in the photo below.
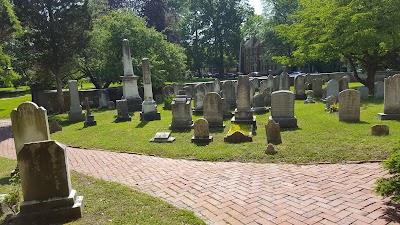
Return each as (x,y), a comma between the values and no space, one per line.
(241,193)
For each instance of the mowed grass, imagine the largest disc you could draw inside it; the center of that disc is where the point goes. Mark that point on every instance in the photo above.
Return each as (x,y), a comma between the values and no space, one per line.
(319,138)
(8,103)
(113,203)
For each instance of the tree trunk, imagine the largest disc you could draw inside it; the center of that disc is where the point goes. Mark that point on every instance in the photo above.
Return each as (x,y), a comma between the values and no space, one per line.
(60,95)
(371,71)
(106,84)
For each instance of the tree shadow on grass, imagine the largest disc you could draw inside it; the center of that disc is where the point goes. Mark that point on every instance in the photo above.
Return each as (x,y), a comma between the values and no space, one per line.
(359,122)
(5,181)
(217,129)
(290,129)
(142,124)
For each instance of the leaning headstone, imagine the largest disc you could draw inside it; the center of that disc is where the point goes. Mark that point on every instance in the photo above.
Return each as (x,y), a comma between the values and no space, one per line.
(331,100)
(104,99)
(75,113)
(201,132)
(54,127)
(332,89)
(89,117)
(243,113)
(229,93)
(317,87)
(284,83)
(273,131)
(111,105)
(259,104)
(378,90)
(364,92)
(149,106)
(200,92)
(344,83)
(300,87)
(380,130)
(29,124)
(282,109)
(349,106)
(181,114)
(46,185)
(213,110)
(391,103)
(129,81)
(161,137)
(122,110)
(270,149)
(276,83)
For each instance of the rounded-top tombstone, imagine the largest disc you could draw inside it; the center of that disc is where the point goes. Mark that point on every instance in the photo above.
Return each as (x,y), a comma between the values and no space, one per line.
(201,131)
(243,93)
(349,106)
(213,109)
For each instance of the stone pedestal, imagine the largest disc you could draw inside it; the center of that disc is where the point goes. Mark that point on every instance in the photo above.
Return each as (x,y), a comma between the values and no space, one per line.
(149,111)
(75,113)
(149,106)
(243,112)
(181,114)
(122,110)
(282,109)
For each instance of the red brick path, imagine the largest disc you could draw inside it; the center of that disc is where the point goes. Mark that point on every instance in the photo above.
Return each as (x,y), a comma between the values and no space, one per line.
(241,193)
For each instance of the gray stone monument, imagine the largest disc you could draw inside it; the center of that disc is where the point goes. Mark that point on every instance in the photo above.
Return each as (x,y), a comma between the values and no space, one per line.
(380,130)
(333,89)
(300,87)
(188,91)
(273,132)
(213,110)
(54,127)
(252,92)
(344,83)
(284,83)
(349,106)
(317,87)
(200,91)
(263,85)
(201,132)
(309,99)
(29,124)
(181,114)
(104,99)
(364,92)
(270,149)
(267,97)
(259,104)
(122,110)
(229,93)
(168,90)
(277,79)
(282,109)
(149,106)
(129,81)
(46,185)
(216,86)
(391,103)
(89,121)
(243,112)
(111,105)
(330,100)
(75,113)
(270,83)
(226,109)
(379,90)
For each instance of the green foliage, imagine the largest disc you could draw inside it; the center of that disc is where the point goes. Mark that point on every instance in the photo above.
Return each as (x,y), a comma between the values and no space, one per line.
(168,101)
(8,104)
(103,57)
(8,20)
(334,108)
(390,187)
(14,197)
(7,75)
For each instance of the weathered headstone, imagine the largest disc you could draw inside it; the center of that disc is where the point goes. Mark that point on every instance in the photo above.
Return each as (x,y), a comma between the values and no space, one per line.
(333,89)
(129,81)
(227,114)
(252,92)
(122,110)
(331,100)
(46,185)
(270,82)
(273,131)
(284,83)
(161,137)
(270,150)
(104,99)
(364,92)
(379,90)
(243,113)
(75,113)
(263,85)
(282,109)
(317,87)
(229,93)
(89,117)
(201,131)
(344,83)
(181,114)
(200,92)
(300,87)
(149,106)
(391,103)
(54,127)
(188,91)
(380,129)
(168,90)
(213,110)
(111,105)
(216,86)
(277,79)
(259,104)
(267,97)
(349,106)
(29,124)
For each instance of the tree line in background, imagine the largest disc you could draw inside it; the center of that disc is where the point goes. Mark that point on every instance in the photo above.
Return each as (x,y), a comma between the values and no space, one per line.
(53,41)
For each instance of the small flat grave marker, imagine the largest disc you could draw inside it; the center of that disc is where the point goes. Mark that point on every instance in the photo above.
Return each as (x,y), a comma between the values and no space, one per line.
(162,137)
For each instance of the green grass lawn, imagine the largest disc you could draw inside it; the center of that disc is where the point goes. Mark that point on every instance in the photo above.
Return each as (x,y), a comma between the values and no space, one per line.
(20,88)
(8,103)
(113,203)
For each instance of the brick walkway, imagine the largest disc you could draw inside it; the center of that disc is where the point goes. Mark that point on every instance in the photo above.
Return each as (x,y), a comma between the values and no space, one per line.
(241,193)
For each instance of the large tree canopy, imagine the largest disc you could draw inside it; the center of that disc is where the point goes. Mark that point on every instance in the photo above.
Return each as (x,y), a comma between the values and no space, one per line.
(366,33)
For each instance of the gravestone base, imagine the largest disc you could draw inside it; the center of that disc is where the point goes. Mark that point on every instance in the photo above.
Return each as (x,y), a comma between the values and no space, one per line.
(150,116)
(57,210)
(181,126)
(285,122)
(260,110)
(211,125)
(134,104)
(197,112)
(251,121)
(90,121)
(202,139)
(239,136)
(228,115)
(123,118)
(301,97)
(76,117)
(384,116)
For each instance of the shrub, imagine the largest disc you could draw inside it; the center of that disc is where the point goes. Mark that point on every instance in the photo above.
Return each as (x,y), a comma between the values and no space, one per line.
(390,187)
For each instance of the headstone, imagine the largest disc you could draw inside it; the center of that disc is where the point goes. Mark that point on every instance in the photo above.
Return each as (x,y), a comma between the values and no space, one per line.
(379,90)
(263,85)
(364,92)
(229,93)
(239,133)
(331,100)
(270,149)
(344,83)
(188,91)
(168,90)
(252,92)
(177,88)
(89,117)
(201,132)
(259,104)
(333,89)
(267,97)
(309,99)
(227,114)
(317,87)
(284,83)
(46,185)
(391,103)
(277,79)
(161,137)
(75,113)
(200,92)
(55,127)
(349,106)
(149,106)
(273,131)
(282,109)
(380,130)
(29,124)
(213,110)
(270,83)
(129,81)
(243,113)
(111,105)
(300,87)
(216,86)
(256,83)
(181,114)
(104,99)
(122,110)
